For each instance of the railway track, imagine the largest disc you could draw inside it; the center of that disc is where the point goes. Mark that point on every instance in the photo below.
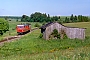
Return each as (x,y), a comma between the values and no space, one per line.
(11,38)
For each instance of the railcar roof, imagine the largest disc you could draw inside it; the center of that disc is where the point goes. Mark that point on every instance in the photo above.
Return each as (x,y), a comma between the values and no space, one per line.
(23,25)
(20,25)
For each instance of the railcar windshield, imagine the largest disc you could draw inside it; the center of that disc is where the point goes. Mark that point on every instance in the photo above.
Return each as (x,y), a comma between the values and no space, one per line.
(20,26)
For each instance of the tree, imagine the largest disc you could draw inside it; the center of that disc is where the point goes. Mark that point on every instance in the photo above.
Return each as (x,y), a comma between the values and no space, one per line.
(54,18)
(38,17)
(6,18)
(25,18)
(72,18)
(59,17)
(80,18)
(67,20)
(83,18)
(48,18)
(75,18)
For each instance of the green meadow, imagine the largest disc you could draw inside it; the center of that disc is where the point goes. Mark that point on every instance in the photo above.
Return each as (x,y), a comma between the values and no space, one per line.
(31,47)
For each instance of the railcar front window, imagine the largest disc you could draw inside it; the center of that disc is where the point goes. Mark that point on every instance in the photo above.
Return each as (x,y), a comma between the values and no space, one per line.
(20,26)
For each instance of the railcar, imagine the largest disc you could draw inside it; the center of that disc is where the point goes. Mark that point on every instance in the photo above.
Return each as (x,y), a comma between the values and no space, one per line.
(23,28)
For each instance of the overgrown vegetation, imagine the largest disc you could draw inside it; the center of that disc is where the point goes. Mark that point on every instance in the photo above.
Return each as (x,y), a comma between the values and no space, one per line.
(63,34)
(54,34)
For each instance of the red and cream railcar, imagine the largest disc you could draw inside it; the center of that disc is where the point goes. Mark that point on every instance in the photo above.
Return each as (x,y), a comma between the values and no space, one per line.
(23,28)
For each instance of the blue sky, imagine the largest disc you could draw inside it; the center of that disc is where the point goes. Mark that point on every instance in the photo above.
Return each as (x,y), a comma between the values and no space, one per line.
(52,7)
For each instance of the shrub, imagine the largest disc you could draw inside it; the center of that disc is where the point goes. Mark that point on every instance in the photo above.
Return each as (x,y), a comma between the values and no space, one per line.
(1,32)
(63,34)
(17,20)
(58,36)
(55,32)
(41,35)
(36,25)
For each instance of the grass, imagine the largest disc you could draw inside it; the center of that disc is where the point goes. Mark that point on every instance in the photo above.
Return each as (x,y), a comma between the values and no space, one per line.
(33,47)
(30,47)
(74,54)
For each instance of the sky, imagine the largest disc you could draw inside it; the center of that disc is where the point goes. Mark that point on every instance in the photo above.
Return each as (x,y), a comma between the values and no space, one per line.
(52,7)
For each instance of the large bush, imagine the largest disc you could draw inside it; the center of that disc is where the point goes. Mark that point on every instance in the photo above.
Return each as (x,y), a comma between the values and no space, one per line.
(4,26)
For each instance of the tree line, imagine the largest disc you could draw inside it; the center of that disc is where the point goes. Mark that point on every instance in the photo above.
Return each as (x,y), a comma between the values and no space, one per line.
(43,17)
(12,17)
(39,17)
(78,18)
